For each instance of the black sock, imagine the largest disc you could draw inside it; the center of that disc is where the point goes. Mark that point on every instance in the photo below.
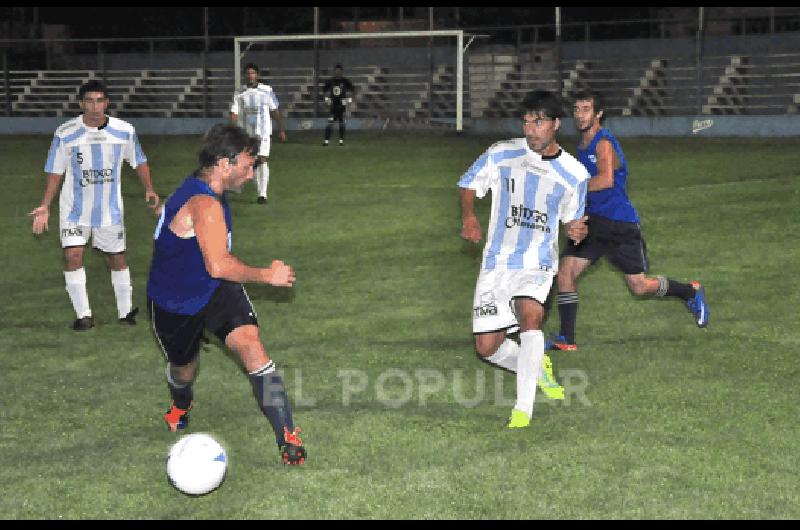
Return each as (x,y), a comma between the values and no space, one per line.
(181,393)
(341,132)
(328,130)
(684,291)
(272,399)
(568,313)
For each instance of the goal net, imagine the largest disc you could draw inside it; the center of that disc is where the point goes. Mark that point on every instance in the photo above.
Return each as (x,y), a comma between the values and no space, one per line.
(402,79)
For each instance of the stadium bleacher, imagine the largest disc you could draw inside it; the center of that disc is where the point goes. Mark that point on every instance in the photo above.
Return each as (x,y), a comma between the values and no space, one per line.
(494,84)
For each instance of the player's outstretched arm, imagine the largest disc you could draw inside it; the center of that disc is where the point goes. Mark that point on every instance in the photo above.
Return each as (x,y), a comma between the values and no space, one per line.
(41,214)
(470,227)
(207,219)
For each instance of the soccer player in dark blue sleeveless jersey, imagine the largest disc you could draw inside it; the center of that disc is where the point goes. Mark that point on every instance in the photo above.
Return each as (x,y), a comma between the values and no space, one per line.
(614,230)
(338,93)
(195,283)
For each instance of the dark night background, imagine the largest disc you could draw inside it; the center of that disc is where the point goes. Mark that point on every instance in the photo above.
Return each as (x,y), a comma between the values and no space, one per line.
(149,21)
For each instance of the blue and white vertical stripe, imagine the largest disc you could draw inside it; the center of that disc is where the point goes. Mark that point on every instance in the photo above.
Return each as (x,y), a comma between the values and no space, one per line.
(531,196)
(253,106)
(91,162)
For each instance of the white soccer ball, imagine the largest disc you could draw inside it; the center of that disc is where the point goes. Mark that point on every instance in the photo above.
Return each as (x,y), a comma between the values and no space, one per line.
(196,464)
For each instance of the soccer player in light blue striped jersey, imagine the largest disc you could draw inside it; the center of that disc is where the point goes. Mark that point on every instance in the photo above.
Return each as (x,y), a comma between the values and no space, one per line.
(535,186)
(252,107)
(87,152)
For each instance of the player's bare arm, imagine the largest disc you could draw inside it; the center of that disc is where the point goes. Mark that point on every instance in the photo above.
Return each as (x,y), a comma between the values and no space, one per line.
(41,214)
(143,170)
(470,227)
(276,114)
(605,167)
(204,215)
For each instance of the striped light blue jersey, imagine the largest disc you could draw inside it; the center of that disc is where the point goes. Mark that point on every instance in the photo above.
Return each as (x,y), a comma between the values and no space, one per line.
(90,158)
(253,106)
(530,195)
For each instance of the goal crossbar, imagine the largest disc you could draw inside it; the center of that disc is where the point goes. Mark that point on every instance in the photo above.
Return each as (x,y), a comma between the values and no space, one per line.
(458,34)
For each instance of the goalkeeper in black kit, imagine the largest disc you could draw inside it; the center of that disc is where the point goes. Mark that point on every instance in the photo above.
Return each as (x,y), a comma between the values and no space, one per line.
(338,92)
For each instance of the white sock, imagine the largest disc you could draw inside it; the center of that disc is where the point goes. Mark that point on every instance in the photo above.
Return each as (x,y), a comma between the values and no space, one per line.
(258,181)
(76,287)
(506,355)
(529,365)
(262,189)
(123,291)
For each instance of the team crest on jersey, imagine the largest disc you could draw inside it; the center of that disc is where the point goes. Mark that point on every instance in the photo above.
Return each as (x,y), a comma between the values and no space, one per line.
(592,159)
(487,307)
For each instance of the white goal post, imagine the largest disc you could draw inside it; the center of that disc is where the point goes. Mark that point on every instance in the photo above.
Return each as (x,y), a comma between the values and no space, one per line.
(457,34)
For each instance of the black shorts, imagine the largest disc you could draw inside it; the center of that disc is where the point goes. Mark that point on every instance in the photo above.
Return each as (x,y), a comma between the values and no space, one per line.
(621,243)
(179,335)
(337,114)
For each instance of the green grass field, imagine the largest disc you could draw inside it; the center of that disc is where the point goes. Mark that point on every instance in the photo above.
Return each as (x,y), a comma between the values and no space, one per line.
(400,418)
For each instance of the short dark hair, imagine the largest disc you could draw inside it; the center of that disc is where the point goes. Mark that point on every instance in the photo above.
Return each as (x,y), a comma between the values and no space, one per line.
(92,86)
(253,66)
(339,66)
(225,140)
(543,102)
(588,95)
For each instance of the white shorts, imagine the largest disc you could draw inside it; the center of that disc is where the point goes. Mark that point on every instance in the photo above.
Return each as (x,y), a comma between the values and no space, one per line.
(263,148)
(492,309)
(108,239)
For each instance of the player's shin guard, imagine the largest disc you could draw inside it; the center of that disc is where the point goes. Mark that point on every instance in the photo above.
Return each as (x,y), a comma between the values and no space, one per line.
(262,179)
(181,392)
(271,396)
(123,291)
(264,168)
(529,365)
(76,288)
(568,315)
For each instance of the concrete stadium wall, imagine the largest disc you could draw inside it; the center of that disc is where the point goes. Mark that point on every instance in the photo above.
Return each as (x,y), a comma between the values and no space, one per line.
(706,126)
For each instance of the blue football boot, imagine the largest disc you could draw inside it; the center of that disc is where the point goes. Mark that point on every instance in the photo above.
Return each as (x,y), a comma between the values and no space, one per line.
(698,305)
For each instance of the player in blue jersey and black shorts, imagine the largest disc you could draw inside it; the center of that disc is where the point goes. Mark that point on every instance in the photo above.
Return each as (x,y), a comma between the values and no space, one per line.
(195,283)
(614,230)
